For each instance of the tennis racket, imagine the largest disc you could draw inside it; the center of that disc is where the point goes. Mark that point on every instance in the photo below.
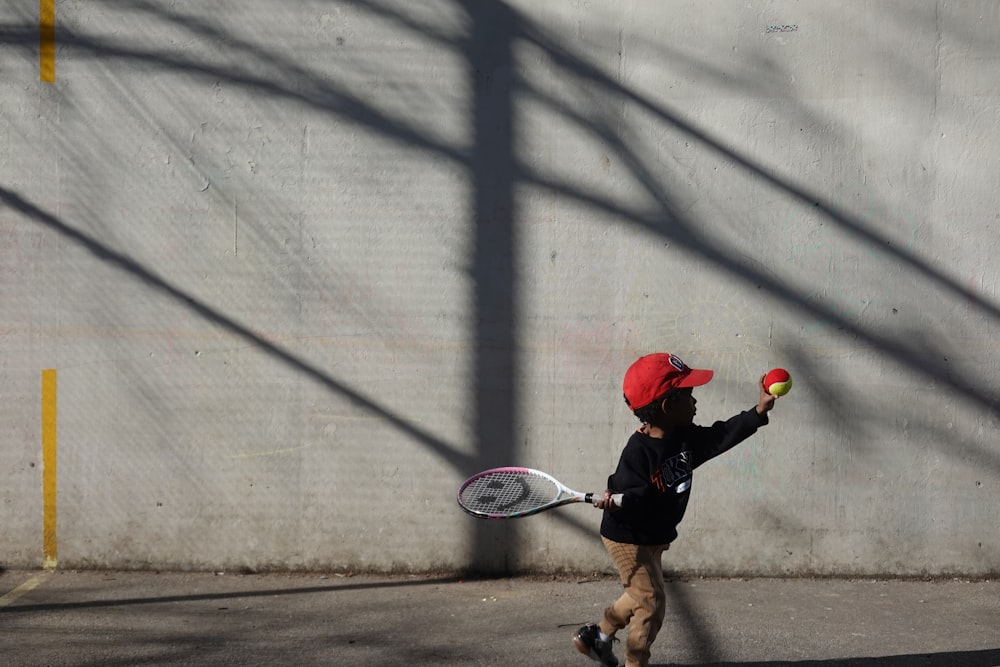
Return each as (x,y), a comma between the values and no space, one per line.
(512,493)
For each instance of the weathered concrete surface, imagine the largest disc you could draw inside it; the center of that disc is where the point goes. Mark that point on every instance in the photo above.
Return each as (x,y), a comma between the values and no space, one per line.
(303,267)
(116,618)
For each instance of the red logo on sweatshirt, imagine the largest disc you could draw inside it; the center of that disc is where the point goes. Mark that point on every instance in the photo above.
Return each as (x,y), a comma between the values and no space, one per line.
(659,481)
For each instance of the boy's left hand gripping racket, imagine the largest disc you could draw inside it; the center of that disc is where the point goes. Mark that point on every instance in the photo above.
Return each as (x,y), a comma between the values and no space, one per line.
(512,493)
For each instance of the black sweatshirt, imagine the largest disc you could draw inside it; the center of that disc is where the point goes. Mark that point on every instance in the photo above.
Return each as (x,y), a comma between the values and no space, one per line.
(655,477)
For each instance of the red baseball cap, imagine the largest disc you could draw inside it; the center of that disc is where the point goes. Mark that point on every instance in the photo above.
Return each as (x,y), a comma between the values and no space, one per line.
(653,375)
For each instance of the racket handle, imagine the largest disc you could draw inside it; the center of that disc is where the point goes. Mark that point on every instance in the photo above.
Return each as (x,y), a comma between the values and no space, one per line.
(616,499)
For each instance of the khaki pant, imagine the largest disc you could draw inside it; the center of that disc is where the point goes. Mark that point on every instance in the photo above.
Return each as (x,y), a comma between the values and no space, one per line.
(643,604)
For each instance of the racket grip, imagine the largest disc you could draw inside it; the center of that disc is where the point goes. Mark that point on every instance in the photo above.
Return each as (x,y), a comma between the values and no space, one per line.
(616,499)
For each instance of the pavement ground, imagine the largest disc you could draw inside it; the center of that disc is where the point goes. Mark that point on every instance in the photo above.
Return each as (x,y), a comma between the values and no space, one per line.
(88,618)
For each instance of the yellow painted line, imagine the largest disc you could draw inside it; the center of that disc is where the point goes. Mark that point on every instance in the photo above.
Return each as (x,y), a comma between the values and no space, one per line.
(49,467)
(26,587)
(47,40)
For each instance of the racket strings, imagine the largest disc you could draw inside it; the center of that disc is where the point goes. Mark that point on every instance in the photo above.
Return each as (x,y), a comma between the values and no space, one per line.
(508,492)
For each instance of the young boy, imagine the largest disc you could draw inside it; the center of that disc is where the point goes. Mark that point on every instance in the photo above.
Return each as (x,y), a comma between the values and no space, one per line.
(654,476)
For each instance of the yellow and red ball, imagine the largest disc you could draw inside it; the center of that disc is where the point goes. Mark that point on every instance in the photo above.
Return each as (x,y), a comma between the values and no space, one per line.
(777,382)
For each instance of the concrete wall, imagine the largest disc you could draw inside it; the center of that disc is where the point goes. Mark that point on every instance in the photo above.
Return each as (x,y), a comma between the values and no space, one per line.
(302,267)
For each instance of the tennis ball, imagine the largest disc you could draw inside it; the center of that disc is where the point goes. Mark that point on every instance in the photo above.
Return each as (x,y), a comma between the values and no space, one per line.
(777,382)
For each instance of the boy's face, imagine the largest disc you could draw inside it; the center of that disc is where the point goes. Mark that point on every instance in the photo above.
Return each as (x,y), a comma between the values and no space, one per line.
(680,408)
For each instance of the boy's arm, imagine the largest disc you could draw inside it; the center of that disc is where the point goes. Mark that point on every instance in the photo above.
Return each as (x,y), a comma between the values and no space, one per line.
(707,442)
(723,436)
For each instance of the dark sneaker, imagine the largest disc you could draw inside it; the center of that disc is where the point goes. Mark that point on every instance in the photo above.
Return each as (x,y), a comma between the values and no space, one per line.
(588,642)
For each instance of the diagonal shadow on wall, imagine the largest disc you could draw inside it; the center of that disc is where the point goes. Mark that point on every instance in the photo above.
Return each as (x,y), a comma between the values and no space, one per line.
(492,163)
(137,271)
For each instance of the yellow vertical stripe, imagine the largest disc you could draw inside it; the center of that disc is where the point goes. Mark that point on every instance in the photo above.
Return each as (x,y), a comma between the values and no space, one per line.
(47,40)
(49,467)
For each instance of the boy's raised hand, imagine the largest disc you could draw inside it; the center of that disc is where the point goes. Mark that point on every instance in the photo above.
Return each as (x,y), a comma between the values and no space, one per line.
(766,401)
